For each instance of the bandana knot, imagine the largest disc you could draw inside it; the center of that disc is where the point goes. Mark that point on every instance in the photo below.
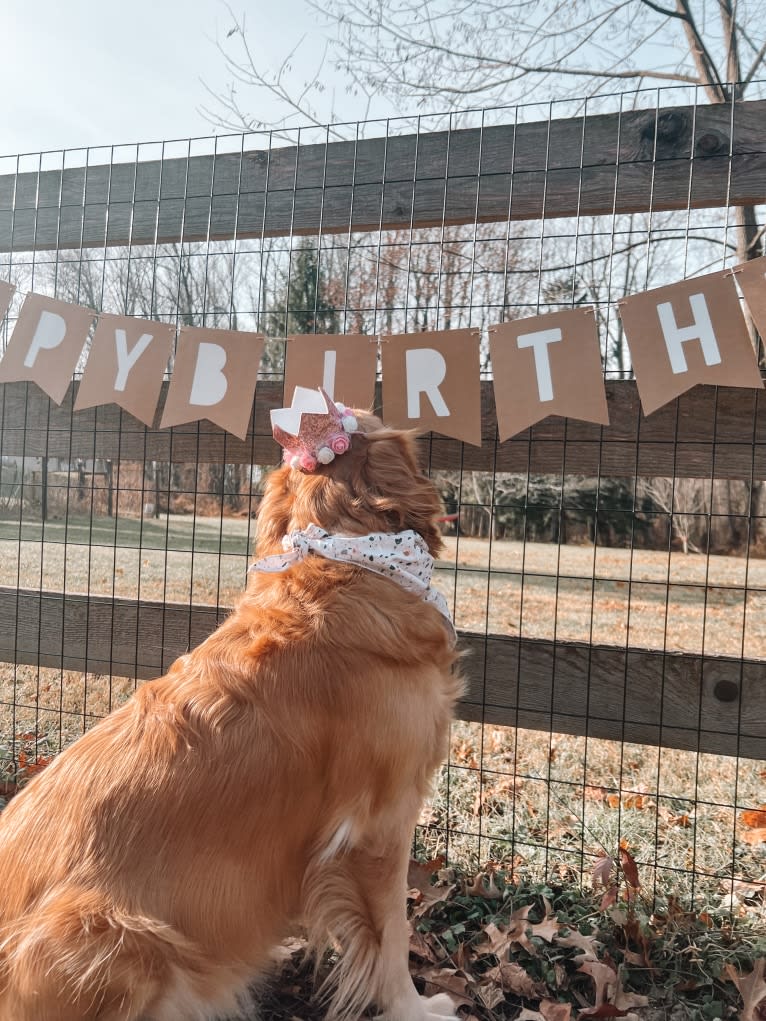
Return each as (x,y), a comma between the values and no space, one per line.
(401,556)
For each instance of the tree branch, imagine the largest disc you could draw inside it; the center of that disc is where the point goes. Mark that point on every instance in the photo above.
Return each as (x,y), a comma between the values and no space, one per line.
(759,59)
(708,73)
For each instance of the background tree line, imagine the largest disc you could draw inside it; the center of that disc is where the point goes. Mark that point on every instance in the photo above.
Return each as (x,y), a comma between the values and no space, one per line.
(445,59)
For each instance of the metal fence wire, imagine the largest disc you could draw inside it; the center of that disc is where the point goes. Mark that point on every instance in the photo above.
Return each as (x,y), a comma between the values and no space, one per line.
(610,582)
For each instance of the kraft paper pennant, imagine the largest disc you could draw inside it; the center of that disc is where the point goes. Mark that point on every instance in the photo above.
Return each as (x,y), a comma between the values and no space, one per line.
(344,366)
(214,377)
(126,364)
(46,344)
(687,333)
(751,277)
(6,296)
(547,365)
(431,382)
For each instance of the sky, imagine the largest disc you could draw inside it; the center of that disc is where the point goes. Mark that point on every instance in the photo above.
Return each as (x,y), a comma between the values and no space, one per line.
(100,72)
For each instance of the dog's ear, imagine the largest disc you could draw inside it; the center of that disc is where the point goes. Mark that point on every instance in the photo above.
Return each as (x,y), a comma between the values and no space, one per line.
(274,512)
(390,481)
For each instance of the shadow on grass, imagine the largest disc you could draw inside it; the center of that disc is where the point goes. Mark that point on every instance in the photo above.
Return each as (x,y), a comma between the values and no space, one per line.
(207,535)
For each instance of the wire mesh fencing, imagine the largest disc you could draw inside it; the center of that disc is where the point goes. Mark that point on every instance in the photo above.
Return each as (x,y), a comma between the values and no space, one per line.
(609,582)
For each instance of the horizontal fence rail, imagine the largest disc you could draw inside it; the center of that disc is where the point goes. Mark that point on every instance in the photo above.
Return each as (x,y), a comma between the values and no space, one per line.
(709,432)
(701,703)
(677,158)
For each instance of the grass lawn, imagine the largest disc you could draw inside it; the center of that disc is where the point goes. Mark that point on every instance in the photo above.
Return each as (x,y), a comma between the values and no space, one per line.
(547,805)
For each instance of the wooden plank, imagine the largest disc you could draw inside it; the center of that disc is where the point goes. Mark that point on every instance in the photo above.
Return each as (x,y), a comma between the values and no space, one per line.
(709,432)
(705,703)
(698,703)
(120,637)
(674,158)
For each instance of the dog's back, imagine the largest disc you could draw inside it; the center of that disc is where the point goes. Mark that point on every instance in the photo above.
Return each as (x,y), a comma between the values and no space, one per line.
(277,769)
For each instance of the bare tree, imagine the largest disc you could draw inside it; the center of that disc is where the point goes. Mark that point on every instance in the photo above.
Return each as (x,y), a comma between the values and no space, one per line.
(490,51)
(687,505)
(450,55)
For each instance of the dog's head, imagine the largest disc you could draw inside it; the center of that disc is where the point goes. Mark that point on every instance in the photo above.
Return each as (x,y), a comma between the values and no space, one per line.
(376,486)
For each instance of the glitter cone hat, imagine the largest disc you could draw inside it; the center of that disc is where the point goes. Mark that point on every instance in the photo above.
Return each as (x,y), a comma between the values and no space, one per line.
(313,430)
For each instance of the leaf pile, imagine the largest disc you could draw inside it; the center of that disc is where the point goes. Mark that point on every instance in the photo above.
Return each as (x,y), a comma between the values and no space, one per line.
(541,952)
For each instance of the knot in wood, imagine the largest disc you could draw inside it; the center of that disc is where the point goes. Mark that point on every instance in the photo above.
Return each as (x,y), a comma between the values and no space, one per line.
(711,143)
(668,128)
(726,691)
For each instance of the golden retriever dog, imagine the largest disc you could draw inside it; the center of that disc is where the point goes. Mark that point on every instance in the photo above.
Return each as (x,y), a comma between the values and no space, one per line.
(274,774)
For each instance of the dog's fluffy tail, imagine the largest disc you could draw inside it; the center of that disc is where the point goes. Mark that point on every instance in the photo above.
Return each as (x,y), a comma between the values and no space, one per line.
(75,956)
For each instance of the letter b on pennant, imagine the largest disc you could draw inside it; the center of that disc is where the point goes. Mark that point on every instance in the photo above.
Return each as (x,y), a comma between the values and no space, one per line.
(214,377)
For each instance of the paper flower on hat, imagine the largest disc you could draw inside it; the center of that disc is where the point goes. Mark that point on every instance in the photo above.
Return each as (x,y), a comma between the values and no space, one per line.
(313,429)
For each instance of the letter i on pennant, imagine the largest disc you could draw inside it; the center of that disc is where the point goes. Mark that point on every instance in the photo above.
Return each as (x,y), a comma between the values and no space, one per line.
(344,366)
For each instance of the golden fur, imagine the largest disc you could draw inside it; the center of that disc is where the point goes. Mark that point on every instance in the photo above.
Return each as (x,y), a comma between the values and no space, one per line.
(276,772)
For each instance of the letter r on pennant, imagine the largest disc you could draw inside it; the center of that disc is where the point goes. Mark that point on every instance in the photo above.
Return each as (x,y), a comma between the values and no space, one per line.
(426,368)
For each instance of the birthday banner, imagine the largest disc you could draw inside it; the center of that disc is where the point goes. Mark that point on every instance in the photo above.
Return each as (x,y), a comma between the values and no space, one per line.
(679,335)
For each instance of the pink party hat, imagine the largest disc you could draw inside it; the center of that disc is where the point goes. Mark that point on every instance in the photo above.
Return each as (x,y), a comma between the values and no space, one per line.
(313,429)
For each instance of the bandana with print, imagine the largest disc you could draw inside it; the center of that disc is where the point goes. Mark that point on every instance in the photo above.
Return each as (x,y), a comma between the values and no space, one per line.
(401,556)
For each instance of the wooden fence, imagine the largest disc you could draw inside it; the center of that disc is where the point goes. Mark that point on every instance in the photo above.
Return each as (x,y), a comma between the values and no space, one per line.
(644,160)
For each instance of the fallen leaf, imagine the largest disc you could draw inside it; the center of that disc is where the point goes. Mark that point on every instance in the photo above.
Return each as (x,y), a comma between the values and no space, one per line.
(587,944)
(682,820)
(604,1010)
(512,978)
(490,994)
(420,888)
(752,989)
(547,929)
(629,868)
(447,980)
(754,836)
(609,899)
(592,793)
(465,754)
(550,1010)
(754,818)
(484,885)
(602,870)
(604,978)
(462,957)
(420,947)
(631,957)
(637,802)
(501,940)
(421,873)
(618,915)
(745,890)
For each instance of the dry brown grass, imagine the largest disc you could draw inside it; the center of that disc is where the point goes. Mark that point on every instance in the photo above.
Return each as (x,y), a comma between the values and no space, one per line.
(546,803)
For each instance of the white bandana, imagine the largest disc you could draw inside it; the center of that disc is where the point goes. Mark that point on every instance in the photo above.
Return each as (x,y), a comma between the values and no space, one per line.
(401,556)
